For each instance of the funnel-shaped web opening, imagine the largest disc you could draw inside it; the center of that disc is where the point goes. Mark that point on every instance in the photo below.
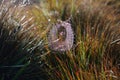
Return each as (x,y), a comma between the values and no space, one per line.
(61,37)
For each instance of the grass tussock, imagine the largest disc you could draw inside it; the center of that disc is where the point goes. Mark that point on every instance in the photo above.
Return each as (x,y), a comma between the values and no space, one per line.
(96,27)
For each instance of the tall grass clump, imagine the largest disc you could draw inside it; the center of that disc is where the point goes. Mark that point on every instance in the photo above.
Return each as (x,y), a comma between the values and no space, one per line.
(96,51)
(21,42)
